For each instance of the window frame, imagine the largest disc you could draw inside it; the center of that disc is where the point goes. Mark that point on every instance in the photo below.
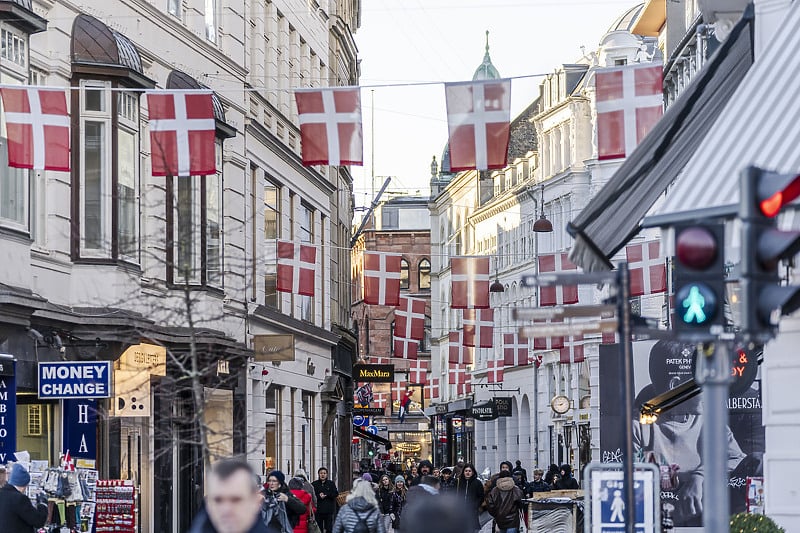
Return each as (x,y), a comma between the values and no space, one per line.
(405,281)
(423,266)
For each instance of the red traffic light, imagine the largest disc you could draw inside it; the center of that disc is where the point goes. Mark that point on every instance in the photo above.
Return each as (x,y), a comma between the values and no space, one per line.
(775,191)
(696,247)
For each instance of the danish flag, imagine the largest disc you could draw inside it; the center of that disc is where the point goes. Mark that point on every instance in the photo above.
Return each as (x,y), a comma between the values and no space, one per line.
(379,399)
(330,126)
(478,120)
(37,125)
(470,282)
(459,354)
(629,103)
(608,338)
(560,295)
(381,278)
(297,265)
(478,328)
(648,269)
(494,371)
(409,319)
(433,388)
(515,350)
(182,133)
(572,352)
(405,348)
(418,373)
(536,359)
(547,343)
(462,379)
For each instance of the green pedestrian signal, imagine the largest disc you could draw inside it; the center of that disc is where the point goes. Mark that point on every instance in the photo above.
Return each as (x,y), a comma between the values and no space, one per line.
(696,304)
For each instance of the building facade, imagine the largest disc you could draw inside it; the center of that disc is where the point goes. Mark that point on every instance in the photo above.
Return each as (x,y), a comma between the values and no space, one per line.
(106,256)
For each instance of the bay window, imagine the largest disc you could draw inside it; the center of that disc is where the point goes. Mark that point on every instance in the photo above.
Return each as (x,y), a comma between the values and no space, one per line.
(272,213)
(306,234)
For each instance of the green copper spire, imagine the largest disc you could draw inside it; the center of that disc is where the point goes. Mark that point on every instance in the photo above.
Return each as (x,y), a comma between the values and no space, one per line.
(486,70)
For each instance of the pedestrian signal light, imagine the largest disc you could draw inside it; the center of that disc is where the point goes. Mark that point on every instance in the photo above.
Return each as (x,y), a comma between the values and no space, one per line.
(764,299)
(699,279)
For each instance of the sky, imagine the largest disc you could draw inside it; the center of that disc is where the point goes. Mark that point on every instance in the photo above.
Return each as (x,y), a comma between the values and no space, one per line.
(433,41)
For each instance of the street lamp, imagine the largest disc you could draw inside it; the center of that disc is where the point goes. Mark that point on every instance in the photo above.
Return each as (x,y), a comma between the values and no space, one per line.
(542,225)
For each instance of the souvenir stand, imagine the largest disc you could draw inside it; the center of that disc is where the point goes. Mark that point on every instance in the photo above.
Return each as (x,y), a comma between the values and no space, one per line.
(116,506)
(70,496)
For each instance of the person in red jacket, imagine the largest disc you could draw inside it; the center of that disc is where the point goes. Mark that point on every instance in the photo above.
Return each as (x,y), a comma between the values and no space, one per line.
(296,486)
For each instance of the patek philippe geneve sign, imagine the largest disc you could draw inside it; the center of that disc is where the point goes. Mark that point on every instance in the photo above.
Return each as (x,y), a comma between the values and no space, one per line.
(373,373)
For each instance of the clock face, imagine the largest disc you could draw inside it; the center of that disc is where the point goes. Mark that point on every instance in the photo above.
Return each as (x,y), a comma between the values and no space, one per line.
(560,404)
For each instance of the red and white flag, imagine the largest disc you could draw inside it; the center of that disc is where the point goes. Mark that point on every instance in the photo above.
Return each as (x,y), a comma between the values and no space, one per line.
(478,120)
(459,354)
(409,319)
(37,125)
(494,371)
(433,388)
(382,278)
(572,351)
(543,342)
(297,267)
(608,338)
(330,126)
(562,294)
(418,373)
(648,269)
(182,133)
(536,359)
(405,348)
(469,277)
(515,350)
(478,328)
(629,103)
(379,399)
(67,463)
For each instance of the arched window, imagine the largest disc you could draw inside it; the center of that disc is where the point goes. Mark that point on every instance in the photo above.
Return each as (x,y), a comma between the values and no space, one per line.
(424,275)
(403,274)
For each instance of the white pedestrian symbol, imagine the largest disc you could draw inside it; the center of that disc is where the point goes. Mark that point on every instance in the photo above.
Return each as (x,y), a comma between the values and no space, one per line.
(617,506)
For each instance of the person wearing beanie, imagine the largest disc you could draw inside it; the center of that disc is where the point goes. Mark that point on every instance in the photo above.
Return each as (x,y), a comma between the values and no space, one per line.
(302,476)
(448,482)
(326,497)
(16,510)
(281,510)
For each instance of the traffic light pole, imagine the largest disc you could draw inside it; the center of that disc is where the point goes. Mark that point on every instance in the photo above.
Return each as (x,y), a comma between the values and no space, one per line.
(626,352)
(713,374)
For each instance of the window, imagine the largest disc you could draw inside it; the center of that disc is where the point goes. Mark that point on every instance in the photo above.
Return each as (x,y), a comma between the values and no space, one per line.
(13,47)
(95,170)
(306,235)
(211,20)
(424,275)
(127,174)
(271,210)
(403,274)
(174,7)
(186,229)
(213,222)
(35,420)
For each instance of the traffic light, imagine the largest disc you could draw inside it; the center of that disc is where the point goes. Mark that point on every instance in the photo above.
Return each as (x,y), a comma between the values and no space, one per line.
(764,299)
(699,280)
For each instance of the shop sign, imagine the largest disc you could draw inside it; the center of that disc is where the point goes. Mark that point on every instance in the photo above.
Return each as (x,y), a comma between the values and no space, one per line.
(273,348)
(373,373)
(8,411)
(146,357)
(369,411)
(75,379)
(80,428)
(441,409)
(503,406)
(484,411)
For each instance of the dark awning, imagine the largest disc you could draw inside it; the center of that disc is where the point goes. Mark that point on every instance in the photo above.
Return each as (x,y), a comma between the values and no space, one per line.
(358,432)
(613,217)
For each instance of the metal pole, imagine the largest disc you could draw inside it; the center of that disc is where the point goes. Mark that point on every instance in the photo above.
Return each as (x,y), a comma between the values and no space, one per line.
(713,374)
(535,366)
(626,353)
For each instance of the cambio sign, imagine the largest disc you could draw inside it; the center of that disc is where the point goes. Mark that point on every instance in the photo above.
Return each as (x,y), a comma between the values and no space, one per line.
(8,410)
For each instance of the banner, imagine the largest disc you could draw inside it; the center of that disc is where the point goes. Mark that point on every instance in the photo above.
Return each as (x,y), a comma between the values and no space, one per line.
(674,440)
(8,410)
(80,428)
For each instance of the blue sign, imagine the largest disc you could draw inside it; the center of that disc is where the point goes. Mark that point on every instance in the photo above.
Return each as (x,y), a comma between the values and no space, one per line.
(80,428)
(360,421)
(372,429)
(8,411)
(607,507)
(73,379)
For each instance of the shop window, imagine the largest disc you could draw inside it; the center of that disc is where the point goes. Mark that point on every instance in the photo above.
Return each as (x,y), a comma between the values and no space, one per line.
(36,428)
(218,419)
(271,445)
(34,421)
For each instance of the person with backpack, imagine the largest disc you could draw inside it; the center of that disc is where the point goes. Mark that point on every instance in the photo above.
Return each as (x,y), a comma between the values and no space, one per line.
(281,509)
(360,514)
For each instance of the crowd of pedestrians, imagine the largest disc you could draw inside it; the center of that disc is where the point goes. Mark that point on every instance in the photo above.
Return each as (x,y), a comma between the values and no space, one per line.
(423,499)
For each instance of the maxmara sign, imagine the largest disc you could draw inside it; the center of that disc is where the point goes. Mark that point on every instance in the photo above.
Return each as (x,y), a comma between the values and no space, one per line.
(373,373)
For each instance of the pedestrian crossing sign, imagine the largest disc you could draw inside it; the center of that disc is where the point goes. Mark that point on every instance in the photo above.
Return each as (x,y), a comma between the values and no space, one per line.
(606,507)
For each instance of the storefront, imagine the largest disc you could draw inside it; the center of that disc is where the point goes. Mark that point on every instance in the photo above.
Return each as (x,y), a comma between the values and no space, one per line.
(453,432)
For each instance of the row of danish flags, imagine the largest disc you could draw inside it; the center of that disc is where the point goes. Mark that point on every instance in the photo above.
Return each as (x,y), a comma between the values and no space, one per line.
(478,120)
(182,130)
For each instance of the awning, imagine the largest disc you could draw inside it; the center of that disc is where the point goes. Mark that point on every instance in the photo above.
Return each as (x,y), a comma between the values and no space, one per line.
(758,127)
(613,217)
(358,432)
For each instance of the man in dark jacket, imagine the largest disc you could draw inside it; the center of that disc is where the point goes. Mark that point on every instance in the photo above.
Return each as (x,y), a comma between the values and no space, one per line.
(504,503)
(518,470)
(17,513)
(565,480)
(233,502)
(505,466)
(538,484)
(424,468)
(326,500)
(428,486)
(447,482)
